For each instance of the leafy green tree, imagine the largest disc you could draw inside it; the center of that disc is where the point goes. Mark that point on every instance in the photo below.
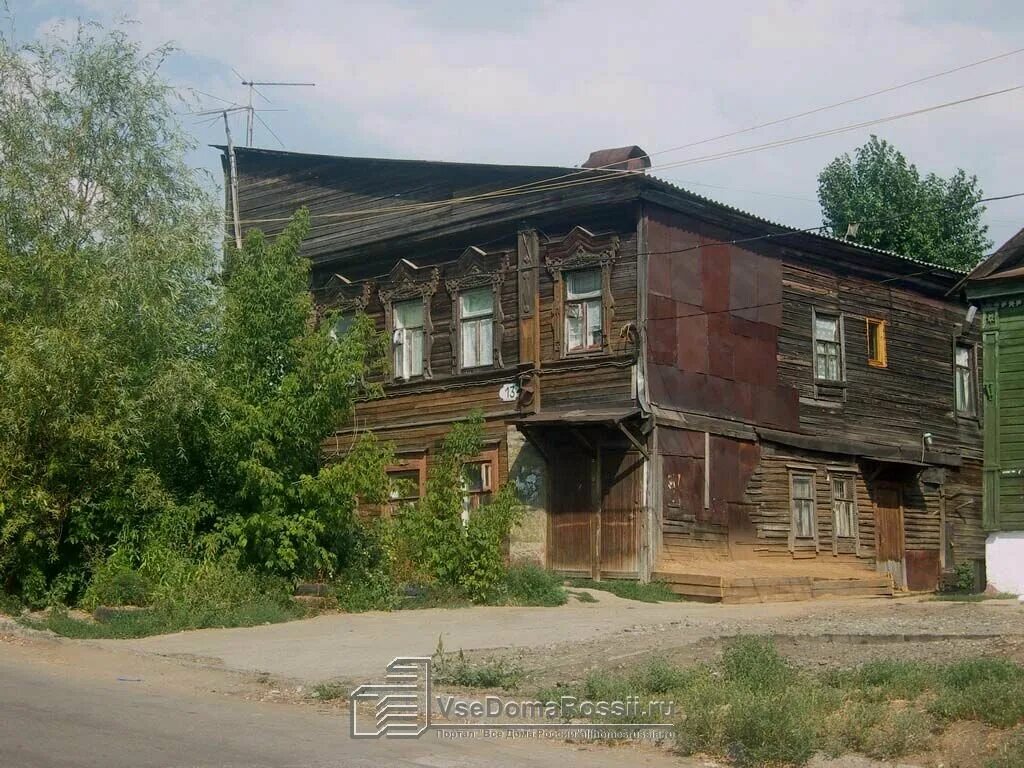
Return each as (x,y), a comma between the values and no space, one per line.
(156,414)
(930,218)
(284,385)
(105,259)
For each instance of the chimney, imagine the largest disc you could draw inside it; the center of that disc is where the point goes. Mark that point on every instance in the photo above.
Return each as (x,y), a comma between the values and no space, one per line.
(619,159)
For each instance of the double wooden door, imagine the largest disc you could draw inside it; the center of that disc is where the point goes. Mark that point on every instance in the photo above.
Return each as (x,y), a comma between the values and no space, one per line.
(595,512)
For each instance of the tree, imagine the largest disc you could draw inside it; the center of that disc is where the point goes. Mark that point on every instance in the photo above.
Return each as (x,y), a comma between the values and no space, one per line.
(153,408)
(105,299)
(283,386)
(929,218)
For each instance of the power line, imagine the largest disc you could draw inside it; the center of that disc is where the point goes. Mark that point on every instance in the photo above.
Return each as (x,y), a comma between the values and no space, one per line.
(807,230)
(777,121)
(365,214)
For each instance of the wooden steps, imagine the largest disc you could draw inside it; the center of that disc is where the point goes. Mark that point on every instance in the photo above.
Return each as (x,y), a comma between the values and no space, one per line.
(769,589)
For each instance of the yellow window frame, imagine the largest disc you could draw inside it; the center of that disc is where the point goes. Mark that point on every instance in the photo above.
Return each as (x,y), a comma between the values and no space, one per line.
(875,327)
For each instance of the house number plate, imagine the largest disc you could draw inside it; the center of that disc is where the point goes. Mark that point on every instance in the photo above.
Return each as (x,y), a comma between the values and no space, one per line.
(509,392)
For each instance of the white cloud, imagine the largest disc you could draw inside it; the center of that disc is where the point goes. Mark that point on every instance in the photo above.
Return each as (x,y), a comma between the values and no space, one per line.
(560,79)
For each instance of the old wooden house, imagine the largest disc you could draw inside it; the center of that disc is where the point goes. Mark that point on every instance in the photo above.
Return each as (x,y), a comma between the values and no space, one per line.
(678,389)
(997,286)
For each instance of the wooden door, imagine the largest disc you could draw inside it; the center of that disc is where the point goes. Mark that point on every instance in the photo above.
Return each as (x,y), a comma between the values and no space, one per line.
(572,521)
(619,532)
(890,555)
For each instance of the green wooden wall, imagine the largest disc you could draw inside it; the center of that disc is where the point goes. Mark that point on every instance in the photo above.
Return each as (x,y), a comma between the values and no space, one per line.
(1003,392)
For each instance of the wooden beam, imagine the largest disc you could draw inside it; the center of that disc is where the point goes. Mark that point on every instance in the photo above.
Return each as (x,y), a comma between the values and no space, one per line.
(636,443)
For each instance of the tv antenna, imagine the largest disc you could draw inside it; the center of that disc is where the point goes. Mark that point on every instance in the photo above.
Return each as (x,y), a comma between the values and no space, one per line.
(251,116)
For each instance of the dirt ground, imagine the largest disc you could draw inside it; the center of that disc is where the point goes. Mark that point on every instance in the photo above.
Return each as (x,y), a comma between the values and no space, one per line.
(252,664)
(822,635)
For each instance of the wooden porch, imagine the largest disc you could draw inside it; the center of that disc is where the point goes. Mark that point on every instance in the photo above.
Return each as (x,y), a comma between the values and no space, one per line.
(767,580)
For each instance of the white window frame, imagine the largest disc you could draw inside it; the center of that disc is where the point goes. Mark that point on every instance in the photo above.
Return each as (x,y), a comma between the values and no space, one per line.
(584,301)
(965,390)
(407,366)
(839,343)
(477,320)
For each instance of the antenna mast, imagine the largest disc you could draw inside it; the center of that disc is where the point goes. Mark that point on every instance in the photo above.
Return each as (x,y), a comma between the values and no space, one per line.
(251,111)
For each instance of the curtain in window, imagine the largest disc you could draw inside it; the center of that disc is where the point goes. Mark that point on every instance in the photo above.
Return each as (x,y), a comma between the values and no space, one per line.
(827,349)
(843,508)
(408,339)
(476,310)
(803,506)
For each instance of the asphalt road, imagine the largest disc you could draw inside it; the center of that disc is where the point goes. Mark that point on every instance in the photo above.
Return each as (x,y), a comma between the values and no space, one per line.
(58,714)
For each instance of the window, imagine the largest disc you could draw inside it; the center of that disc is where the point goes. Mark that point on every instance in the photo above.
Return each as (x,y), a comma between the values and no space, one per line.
(406,482)
(403,487)
(877,354)
(844,507)
(478,482)
(407,339)
(476,327)
(963,371)
(583,321)
(802,495)
(828,347)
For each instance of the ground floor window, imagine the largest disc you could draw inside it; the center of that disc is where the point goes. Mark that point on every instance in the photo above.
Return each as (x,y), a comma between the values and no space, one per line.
(479,477)
(844,507)
(406,482)
(802,496)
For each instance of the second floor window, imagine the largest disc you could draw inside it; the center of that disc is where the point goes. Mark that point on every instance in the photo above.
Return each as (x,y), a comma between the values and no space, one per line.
(828,348)
(963,371)
(407,340)
(476,327)
(584,327)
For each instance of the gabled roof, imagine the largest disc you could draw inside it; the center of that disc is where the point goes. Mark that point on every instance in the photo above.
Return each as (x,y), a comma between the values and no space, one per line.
(1005,263)
(415,192)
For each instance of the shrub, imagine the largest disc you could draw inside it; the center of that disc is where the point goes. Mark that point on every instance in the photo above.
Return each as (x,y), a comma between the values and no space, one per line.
(529,584)
(430,537)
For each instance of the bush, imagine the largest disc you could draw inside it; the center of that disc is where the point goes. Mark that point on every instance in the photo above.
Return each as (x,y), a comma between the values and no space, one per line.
(430,539)
(529,584)
(878,730)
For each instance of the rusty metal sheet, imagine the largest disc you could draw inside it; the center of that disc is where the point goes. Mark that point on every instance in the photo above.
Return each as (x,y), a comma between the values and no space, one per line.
(692,343)
(923,569)
(680,442)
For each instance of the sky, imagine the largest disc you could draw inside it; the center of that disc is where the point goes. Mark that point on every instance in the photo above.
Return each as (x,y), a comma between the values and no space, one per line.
(543,82)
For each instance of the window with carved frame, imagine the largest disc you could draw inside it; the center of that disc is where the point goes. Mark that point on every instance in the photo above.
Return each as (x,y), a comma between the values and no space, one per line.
(584,301)
(406,297)
(581,265)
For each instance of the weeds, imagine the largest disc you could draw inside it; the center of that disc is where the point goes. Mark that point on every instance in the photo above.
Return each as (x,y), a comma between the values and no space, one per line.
(329,692)
(754,708)
(653,592)
(459,671)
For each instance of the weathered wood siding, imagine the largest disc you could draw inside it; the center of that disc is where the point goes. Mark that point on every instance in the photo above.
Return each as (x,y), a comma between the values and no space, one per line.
(892,405)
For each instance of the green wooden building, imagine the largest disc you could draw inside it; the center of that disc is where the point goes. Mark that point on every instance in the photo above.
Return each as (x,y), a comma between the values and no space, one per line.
(996,286)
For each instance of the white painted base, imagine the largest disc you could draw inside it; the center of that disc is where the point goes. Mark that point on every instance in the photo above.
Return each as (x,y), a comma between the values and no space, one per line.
(1004,561)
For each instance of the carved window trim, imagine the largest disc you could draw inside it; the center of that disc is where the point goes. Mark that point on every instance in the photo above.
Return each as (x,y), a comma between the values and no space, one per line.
(343,297)
(581,249)
(407,282)
(470,273)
